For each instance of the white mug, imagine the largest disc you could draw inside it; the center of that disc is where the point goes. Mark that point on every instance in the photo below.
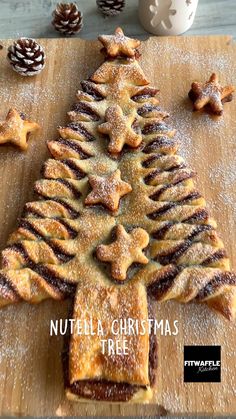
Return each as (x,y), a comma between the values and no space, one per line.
(167,17)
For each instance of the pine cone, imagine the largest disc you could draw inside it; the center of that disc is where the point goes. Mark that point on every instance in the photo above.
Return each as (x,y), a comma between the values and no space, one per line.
(67,19)
(26,57)
(111,7)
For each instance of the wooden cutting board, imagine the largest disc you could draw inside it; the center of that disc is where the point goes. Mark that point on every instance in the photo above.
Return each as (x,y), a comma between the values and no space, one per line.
(30,366)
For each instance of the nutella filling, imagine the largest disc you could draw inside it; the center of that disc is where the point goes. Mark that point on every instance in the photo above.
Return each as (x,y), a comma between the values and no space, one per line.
(164,143)
(7,289)
(85,109)
(74,168)
(77,127)
(90,88)
(164,282)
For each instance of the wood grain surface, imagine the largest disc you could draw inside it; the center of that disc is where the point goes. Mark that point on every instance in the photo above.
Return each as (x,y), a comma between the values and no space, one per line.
(31,379)
(32,18)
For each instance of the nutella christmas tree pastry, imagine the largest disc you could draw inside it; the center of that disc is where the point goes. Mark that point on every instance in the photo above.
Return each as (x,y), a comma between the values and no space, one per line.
(16,129)
(119,223)
(210,94)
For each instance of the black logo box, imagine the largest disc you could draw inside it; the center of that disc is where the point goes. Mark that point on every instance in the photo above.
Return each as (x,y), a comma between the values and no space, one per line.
(204,374)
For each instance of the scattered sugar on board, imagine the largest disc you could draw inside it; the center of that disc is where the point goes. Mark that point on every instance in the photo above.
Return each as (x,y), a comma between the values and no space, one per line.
(14,351)
(211,60)
(197,320)
(197,325)
(183,119)
(29,90)
(24,343)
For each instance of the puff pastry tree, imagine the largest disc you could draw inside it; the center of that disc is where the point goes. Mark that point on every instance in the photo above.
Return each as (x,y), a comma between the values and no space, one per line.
(119,222)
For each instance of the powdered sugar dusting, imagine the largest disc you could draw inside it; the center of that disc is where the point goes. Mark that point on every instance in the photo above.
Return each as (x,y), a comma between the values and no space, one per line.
(224,173)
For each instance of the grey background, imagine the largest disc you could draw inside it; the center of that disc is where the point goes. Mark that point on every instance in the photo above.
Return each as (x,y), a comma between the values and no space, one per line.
(32,18)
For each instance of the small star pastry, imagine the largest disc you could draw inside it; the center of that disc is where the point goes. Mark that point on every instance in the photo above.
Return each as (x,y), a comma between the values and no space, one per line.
(119,128)
(15,129)
(125,250)
(119,44)
(210,94)
(107,190)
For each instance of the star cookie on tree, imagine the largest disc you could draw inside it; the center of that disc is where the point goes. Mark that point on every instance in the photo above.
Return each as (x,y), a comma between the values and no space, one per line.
(119,128)
(26,57)
(15,129)
(107,190)
(210,94)
(119,45)
(125,250)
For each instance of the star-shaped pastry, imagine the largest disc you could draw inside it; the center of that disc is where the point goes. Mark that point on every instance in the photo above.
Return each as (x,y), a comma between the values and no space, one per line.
(107,190)
(119,44)
(210,94)
(125,250)
(119,128)
(15,129)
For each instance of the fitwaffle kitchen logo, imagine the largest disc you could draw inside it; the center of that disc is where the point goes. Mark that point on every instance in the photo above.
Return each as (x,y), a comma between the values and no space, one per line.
(202,364)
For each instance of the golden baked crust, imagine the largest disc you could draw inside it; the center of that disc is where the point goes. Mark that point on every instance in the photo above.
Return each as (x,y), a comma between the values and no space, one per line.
(124,251)
(67,243)
(15,129)
(119,128)
(107,304)
(210,94)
